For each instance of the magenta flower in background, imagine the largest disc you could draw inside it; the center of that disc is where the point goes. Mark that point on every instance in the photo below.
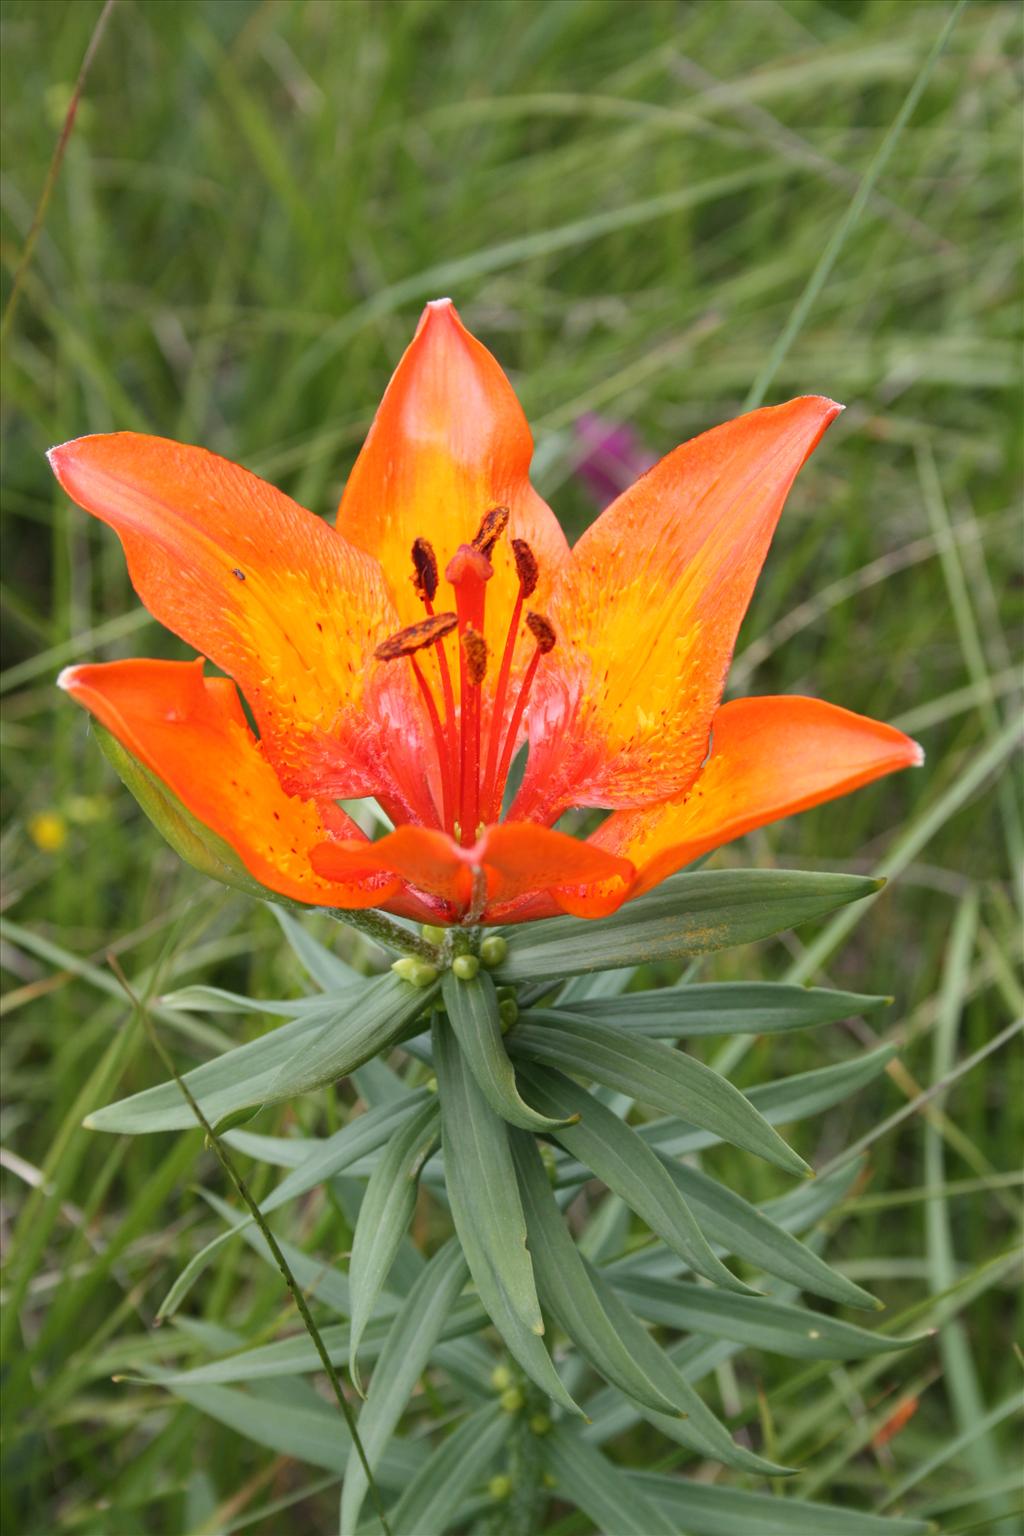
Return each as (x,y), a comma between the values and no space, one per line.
(611,456)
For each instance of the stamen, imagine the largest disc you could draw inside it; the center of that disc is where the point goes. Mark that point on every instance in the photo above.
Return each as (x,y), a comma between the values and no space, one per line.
(475,647)
(492,526)
(543,631)
(444,758)
(425,570)
(415,636)
(526,567)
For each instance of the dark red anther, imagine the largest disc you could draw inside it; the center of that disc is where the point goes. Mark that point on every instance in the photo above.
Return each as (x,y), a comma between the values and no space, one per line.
(425,570)
(526,567)
(542,630)
(492,526)
(416,636)
(474,647)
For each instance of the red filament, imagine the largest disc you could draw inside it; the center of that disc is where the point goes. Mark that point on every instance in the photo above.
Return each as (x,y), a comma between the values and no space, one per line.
(471,787)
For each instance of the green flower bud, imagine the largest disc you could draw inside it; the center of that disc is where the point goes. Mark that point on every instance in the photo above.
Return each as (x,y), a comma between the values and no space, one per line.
(419,972)
(465,967)
(500,1487)
(501,1378)
(540,1424)
(431,934)
(493,950)
(508,1009)
(511,1400)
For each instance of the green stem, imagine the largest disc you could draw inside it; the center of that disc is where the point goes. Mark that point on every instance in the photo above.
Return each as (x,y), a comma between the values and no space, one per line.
(271,1241)
(381,929)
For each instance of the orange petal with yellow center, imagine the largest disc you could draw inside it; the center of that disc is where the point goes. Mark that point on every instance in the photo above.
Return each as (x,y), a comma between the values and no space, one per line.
(647,611)
(265,589)
(770,757)
(510,861)
(191,733)
(449,442)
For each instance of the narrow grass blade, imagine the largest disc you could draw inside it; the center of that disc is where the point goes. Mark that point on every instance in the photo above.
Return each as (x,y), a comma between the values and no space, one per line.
(330,973)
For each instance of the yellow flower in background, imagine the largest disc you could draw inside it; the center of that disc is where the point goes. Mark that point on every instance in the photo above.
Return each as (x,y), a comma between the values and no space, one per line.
(48,830)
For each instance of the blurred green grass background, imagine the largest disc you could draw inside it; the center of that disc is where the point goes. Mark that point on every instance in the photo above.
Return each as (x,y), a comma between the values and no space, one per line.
(626,198)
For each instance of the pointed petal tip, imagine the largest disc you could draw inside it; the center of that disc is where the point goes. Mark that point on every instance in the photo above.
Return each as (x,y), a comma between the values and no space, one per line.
(67,679)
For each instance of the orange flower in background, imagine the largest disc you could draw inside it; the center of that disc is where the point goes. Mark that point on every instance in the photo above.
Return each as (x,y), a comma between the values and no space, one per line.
(408,654)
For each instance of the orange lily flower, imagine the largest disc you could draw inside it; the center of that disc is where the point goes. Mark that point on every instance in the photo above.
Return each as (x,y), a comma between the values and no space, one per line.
(410,652)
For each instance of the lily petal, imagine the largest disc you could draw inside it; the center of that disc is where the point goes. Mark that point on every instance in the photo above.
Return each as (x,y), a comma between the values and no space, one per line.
(511,860)
(265,589)
(191,733)
(647,611)
(770,757)
(448,443)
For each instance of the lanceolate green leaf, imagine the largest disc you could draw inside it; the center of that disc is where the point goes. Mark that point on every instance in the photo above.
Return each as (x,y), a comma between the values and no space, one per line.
(655,1074)
(743,1230)
(687,915)
(792,1098)
(597,1486)
(700,1430)
(755,1320)
(432,1499)
(413,1334)
(318,1161)
(296,1422)
(488,1213)
(616,1154)
(231,1081)
(724,1008)
(472,1007)
(384,1216)
(383,1013)
(568,1293)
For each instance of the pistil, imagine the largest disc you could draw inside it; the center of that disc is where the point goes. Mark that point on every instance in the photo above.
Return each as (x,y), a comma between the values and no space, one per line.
(526,570)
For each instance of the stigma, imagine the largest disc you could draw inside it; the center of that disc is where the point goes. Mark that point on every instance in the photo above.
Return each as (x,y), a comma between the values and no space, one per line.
(474,730)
